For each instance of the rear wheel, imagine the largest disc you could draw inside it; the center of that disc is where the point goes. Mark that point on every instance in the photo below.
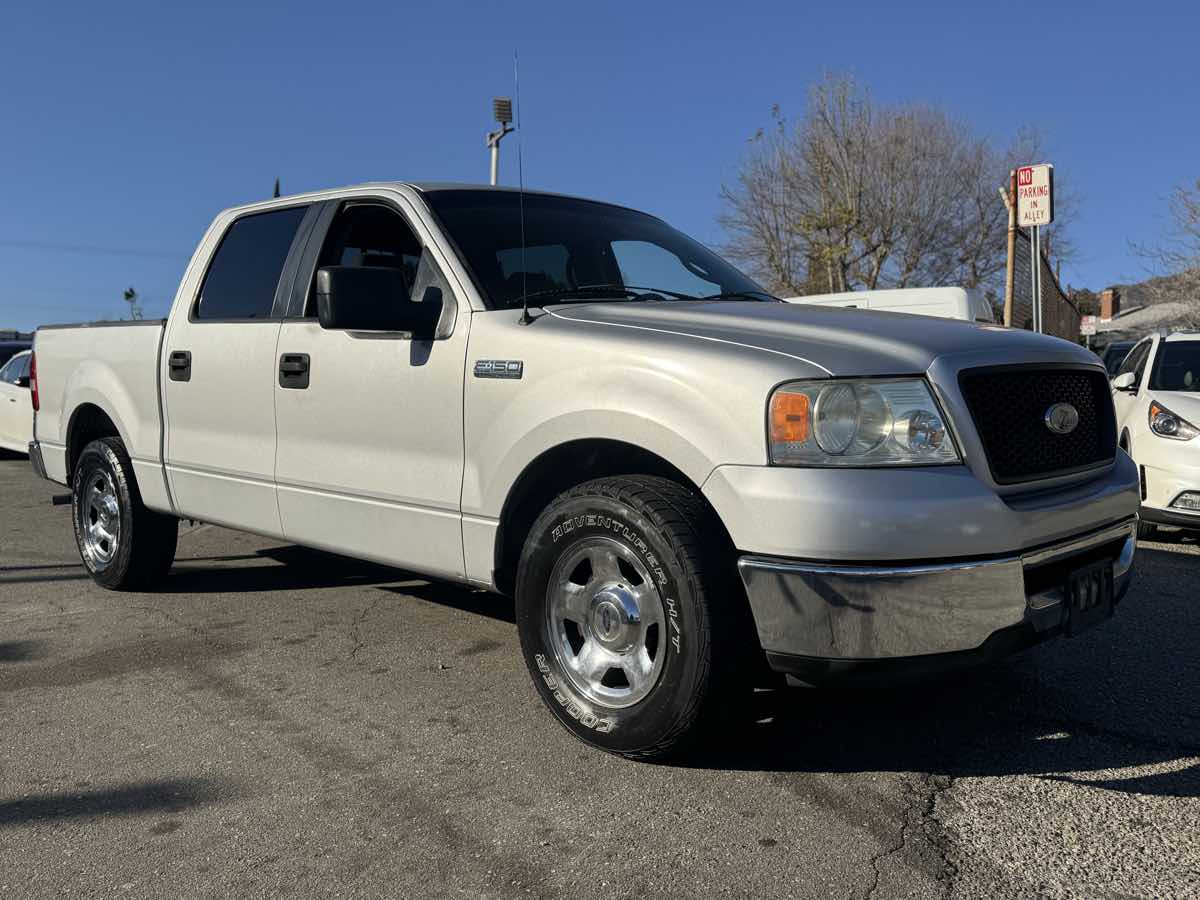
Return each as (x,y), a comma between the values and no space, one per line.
(123,545)
(631,619)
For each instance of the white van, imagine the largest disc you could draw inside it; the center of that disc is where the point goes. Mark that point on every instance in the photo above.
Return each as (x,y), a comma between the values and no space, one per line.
(967,304)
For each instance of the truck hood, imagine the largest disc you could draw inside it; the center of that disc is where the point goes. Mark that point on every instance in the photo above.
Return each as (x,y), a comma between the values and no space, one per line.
(839,340)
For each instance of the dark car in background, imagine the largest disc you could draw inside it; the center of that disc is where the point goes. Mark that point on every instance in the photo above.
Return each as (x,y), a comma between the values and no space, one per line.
(1114,354)
(9,349)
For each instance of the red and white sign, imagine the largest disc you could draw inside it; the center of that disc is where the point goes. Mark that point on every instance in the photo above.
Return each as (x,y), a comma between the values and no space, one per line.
(1035,195)
(1087,325)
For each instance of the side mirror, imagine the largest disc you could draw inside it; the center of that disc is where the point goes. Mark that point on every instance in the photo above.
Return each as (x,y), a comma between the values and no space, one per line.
(367,298)
(1127,382)
(23,381)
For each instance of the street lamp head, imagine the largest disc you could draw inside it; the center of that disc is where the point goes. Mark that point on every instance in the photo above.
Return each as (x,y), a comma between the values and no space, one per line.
(502,108)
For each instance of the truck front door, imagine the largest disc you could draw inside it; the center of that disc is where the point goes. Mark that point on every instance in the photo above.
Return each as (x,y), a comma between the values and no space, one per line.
(370,424)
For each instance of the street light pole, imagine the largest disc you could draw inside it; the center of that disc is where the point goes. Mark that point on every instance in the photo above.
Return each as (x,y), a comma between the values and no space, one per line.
(502,110)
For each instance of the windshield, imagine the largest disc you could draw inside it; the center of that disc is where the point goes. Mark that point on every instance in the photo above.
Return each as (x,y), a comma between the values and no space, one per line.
(578,250)
(1177,367)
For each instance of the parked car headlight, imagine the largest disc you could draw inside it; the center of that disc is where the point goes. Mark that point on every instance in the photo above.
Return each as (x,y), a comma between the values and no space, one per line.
(1166,424)
(874,422)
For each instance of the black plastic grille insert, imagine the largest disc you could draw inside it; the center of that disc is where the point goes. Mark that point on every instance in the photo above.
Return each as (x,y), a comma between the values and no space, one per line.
(1009,406)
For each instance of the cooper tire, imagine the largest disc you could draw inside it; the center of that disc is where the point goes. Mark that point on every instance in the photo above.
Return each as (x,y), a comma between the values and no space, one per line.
(694,651)
(123,545)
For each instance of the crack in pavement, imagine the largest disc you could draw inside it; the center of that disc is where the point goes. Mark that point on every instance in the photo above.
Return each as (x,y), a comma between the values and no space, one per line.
(920,810)
(357,643)
(936,834)
(878,858)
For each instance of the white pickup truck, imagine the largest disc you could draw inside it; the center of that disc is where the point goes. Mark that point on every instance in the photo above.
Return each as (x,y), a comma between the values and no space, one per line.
(684,483)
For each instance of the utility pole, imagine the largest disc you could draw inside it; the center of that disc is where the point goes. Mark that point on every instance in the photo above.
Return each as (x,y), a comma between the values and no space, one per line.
(1008,196)
(502,110)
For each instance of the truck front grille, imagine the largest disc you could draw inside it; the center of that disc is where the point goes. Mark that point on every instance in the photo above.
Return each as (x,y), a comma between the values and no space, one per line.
(1009,406)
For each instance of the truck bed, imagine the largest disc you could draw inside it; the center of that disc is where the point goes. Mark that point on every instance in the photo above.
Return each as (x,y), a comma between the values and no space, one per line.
(113,366)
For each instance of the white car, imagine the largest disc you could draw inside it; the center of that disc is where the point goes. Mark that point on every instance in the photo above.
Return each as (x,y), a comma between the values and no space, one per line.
(966,304)
(16,409)
(1156,392)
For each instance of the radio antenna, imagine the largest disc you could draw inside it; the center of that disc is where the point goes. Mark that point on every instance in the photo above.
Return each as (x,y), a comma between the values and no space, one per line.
(525,319)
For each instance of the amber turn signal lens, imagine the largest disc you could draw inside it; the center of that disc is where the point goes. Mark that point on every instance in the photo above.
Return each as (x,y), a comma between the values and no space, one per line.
(790,418)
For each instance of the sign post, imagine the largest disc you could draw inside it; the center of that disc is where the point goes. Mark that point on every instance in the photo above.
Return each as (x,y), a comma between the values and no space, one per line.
(1087,327)
(1035,208)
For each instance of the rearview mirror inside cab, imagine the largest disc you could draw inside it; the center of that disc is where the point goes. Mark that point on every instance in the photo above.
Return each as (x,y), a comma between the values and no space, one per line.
(369,298)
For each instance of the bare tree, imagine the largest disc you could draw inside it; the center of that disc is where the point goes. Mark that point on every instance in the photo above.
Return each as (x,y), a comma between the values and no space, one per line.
(1175,258)
(861,196)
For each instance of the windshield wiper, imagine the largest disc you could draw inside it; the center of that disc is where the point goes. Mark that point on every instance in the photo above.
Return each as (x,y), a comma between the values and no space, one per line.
(588,291)
(745,295)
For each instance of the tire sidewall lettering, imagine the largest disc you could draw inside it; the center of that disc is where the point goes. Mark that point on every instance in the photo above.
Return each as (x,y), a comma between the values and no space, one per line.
(573,707)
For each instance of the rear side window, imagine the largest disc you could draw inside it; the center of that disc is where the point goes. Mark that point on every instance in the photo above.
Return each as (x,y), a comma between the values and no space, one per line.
(245,270)
(11,370)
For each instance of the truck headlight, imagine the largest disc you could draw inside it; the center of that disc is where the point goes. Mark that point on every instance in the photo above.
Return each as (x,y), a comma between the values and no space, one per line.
(1166,424)
(870,422)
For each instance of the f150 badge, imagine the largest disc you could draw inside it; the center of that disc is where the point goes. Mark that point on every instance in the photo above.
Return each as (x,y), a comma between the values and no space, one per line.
(499,368)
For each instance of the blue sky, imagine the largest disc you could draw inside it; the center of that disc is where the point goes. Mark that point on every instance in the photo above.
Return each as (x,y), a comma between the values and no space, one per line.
(127,126)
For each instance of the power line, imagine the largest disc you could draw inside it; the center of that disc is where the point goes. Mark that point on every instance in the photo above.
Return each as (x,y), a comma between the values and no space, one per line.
(90,248)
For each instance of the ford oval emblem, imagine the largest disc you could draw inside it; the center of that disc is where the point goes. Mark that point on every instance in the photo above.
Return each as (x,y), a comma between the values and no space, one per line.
(1062,418)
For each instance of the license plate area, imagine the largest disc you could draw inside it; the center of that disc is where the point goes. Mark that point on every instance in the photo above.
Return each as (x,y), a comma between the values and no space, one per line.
(1089,594)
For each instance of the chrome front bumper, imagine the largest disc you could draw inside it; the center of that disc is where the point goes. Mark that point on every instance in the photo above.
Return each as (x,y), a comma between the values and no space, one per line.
(850,612)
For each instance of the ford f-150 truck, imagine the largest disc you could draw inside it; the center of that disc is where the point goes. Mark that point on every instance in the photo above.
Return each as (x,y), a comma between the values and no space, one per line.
(683,482)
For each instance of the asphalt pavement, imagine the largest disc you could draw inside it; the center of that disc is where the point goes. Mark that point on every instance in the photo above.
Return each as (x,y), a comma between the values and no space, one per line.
(277,721)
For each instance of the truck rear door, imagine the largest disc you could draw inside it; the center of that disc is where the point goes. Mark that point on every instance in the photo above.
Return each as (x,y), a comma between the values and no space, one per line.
(370,457)
(218,374)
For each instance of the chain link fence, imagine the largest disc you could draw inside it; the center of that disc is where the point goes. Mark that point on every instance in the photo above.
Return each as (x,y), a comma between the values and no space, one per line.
(1059,315)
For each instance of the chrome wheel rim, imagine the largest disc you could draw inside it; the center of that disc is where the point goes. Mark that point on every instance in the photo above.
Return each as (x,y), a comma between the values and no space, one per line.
(606,623)
(101,519)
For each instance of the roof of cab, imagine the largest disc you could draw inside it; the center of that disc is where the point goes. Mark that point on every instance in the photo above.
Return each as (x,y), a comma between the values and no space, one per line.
(421,187)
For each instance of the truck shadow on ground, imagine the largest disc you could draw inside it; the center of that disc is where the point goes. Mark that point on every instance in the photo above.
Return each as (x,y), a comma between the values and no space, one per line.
(1122,696)
(283,568)
(1119,697)
(168,795)
(293,567)
(21,651)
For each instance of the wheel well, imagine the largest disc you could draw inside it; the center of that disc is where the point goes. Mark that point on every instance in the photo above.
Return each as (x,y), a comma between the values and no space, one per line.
(88,423)
(555,471)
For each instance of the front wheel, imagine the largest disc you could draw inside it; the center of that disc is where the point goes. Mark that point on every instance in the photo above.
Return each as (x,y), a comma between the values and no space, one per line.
(124,545)
(631,621)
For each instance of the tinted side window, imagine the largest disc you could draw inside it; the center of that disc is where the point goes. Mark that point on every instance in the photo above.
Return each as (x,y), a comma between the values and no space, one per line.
(245,270)
(369,235)
(9,372)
